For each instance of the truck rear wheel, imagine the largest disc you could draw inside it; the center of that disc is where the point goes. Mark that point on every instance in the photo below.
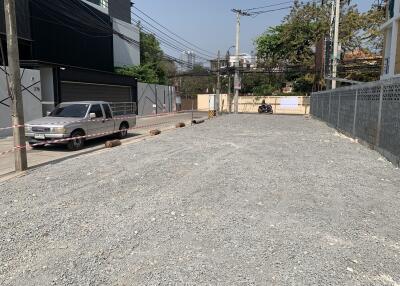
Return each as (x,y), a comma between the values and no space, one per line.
(76,143)
(123,133)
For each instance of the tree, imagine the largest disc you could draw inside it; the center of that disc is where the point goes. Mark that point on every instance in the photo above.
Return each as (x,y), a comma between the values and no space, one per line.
(293,41)
(143,73)
(200,81)
(150,50)
(153,68)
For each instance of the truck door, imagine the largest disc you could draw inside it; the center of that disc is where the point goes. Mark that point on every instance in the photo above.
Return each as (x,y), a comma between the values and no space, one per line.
(109,122)
(96,125)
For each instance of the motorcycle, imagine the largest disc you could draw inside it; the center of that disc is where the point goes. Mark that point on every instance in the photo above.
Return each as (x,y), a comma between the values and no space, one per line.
(265,108)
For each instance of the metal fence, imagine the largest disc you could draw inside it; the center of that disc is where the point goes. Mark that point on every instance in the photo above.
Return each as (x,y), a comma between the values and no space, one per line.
(123,108)
(370,112)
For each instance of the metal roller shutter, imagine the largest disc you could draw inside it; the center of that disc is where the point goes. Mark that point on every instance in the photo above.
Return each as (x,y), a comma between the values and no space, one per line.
(74,91)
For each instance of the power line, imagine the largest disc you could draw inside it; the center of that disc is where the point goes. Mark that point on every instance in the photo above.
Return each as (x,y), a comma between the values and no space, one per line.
(176,35)
(178,42)
(255,14)
(267,6)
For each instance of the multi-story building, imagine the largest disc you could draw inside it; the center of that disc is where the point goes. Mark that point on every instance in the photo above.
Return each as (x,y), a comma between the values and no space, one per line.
(246,61)
(69,50)
(391,51)
(188,60)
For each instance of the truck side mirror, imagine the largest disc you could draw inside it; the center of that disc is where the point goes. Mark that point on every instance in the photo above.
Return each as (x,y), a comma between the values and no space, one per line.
(92,115)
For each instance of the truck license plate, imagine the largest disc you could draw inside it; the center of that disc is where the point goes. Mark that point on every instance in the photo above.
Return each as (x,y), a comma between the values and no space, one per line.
(40,136)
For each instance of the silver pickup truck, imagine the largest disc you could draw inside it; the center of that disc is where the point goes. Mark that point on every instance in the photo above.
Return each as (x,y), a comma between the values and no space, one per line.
(72,123)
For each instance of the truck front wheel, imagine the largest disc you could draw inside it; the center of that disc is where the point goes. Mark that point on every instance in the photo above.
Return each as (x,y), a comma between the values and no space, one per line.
(76,142)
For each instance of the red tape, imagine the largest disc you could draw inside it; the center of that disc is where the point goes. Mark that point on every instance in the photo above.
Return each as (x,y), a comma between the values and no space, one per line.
(108,119)
(80,137)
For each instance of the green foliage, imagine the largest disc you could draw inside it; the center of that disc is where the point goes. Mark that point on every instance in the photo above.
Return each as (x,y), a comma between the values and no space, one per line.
(143,73)
(263,90)
(150,50)
(293,41)
(153,68)
(193,85)
(251,81)
(304,83)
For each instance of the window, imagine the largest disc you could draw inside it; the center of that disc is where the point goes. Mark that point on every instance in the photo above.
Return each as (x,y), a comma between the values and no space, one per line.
(70,110)
(107,111)
(102,3)
(97,110)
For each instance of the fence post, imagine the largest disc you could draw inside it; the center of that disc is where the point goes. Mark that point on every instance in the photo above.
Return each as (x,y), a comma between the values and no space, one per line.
(378,128)
(338,115)
(192,112)
(329,106)
(355,114)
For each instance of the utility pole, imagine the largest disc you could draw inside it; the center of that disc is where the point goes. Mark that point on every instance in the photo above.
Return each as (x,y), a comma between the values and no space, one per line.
(217,99)
(15,91)
(336,44)
(237,64)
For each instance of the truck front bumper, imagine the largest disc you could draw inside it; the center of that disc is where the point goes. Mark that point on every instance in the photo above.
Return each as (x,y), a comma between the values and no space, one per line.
(40,137)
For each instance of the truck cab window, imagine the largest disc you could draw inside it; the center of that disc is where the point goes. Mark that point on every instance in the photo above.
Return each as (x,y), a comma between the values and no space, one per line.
(97,110)
(107,111)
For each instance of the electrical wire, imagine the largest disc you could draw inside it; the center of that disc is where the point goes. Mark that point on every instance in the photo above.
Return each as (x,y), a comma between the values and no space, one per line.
(178,42)
(176,35)
(267,6)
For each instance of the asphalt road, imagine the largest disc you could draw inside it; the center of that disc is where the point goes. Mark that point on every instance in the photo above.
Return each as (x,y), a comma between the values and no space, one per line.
(239,200)
(56,153)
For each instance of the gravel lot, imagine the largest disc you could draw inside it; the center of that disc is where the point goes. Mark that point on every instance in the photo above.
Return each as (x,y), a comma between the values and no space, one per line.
(239,200)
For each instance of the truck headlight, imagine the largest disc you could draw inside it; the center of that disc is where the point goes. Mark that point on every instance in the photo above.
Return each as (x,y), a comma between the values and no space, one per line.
(28,128)
(58,130)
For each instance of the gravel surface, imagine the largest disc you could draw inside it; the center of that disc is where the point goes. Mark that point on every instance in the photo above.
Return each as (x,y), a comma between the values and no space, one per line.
(239,200)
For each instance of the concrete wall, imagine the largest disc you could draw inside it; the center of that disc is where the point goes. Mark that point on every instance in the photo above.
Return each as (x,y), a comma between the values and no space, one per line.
(47,86)
(369,112)
(31,99)
(125,53)
(250,104)
(153,98)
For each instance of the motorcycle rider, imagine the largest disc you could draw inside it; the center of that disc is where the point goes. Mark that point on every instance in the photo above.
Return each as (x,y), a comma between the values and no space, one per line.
(263,103)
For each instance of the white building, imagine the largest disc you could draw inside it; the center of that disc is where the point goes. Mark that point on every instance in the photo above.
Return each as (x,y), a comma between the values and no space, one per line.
(188,60)
(245,60)
(391,52)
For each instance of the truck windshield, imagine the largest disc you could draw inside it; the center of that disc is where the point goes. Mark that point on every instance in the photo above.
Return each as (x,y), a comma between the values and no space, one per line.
(72,110)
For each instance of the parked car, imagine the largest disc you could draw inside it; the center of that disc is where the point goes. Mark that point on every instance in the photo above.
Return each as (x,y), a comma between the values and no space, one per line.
(81,120)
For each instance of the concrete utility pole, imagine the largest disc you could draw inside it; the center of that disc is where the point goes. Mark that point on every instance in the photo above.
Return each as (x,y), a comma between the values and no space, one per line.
(237,83)
(21,163)
(336,44)
(216,100)
(237,63)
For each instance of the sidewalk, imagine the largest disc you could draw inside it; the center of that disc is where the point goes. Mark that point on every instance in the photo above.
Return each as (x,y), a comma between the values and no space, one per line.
(56,153)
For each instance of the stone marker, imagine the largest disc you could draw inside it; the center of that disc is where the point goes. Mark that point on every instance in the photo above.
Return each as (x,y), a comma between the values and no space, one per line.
(113,143)
(155,132)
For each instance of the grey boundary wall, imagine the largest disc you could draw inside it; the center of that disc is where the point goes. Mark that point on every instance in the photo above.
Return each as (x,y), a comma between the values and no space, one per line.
(368,112)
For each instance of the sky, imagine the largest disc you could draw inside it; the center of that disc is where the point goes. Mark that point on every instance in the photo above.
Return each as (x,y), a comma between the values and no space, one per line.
(210,24)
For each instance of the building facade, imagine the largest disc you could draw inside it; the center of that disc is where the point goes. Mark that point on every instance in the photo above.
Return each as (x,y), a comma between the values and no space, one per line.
(71,48)
(391,51)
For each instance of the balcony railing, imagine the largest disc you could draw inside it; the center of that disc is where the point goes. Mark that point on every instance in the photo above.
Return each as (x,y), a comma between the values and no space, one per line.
(101,3)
